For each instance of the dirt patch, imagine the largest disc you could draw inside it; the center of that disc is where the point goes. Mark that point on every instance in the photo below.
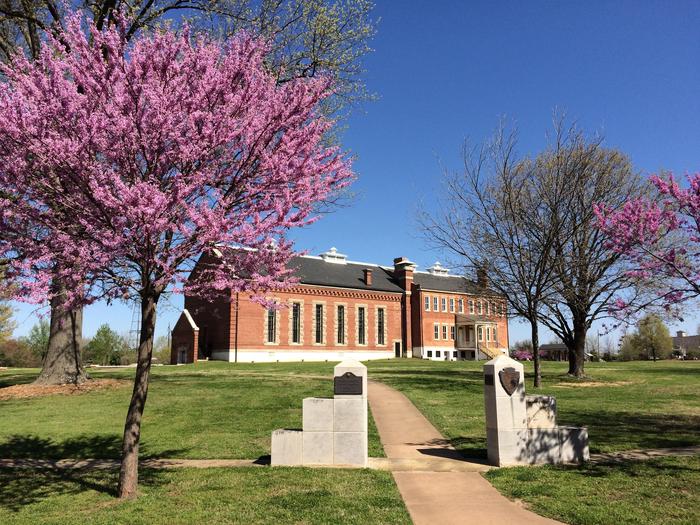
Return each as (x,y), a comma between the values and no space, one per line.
(30,391)
(587,384)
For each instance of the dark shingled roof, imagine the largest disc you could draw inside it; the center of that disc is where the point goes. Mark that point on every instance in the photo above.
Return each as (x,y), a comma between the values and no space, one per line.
(311,270)
(445,283)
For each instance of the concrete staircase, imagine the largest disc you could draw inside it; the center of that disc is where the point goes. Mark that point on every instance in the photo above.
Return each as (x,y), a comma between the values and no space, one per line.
(491,352)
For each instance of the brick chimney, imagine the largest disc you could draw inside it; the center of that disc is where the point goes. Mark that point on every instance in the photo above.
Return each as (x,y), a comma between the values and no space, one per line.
(482,277)
(403,273)
(368,276)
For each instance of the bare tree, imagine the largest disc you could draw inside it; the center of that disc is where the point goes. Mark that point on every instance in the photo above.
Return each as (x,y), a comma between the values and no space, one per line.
(587,274)
(307,38)
(498,215)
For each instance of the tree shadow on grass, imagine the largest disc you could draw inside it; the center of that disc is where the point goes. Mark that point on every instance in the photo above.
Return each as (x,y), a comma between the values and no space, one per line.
(20,487)
(630,468)
(24,486)
(628,430)
(81,447)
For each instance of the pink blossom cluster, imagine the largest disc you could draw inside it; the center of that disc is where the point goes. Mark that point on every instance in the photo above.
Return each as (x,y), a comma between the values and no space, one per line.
(659,238)
(121,164)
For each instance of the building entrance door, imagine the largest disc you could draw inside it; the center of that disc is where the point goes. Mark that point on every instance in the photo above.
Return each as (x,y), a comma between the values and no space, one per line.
(397,348)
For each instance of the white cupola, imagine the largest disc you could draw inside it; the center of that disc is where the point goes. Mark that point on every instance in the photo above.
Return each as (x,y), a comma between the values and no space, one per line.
(332,256)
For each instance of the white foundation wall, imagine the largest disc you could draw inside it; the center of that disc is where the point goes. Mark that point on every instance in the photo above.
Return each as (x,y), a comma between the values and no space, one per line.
(446,354)
(273,356)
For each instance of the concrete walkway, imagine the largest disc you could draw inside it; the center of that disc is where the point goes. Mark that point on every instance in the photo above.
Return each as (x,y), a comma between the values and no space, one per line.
(453,493)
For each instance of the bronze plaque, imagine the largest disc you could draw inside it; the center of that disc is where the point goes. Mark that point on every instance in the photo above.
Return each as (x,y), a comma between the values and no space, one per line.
(347,384)
(488,379)
(510,378)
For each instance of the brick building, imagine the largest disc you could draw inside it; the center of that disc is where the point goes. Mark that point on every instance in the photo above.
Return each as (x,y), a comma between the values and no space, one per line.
(341,309)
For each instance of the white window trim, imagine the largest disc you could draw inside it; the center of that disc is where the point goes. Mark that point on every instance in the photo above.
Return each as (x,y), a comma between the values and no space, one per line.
(460,305)
(376,325)
(276,342)
(471,306)
(443,304)
(445,332)
(291,321)
(314,321)
(426,303)
(435,304)
(335,324)
(436,331)
(452,305)
(357,324)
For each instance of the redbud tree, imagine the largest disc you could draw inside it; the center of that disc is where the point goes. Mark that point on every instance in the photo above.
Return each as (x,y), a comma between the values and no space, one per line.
(659,238)
(121,163)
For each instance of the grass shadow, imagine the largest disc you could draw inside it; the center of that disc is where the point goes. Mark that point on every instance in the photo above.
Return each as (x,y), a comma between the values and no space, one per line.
(23,486)
(618,430)
(81,447)
(20,487)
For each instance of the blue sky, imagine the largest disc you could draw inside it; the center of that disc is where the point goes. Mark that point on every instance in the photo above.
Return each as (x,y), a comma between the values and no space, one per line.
(446,71)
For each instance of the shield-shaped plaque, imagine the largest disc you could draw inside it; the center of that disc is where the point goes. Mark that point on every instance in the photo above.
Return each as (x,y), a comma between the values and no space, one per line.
(510,378)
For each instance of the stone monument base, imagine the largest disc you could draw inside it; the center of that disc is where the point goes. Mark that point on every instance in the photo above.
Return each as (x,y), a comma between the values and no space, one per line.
(334,430)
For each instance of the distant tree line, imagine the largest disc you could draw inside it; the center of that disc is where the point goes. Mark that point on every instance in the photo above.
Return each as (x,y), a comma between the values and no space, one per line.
(105,348)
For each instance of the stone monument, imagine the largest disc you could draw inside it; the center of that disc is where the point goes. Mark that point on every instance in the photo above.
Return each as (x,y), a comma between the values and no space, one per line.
(334,430)
(520,429)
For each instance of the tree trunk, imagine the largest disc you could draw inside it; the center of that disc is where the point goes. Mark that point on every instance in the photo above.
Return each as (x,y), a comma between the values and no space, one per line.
(129,472)
(62,363)
(536,353)
(578,352)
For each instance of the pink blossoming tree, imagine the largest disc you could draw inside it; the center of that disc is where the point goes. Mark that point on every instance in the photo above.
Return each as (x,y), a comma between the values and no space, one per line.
(120,164)
(660,240)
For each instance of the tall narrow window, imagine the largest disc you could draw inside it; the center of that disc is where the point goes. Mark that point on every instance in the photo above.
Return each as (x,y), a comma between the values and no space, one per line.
(480,334)
(452,304)
(452,332)
(471,306)
(296,323)
(341,325)
(427,303)
(271,326)
(319,324)
(443,302)
(444,332)
(495,338)
(478,308)
(380,326)
(436,332)
(435,304)
(460,305)
(361,325)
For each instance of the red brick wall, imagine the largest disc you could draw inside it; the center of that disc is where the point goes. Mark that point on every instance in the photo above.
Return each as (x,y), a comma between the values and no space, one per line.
(184,337)
(429,318)
(251,319)
(213,320)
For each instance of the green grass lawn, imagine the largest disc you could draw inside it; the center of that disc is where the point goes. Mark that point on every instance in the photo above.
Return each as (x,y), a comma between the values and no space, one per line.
(208,410)
(221,410)
(212,496)
(624,405)
(661,491)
